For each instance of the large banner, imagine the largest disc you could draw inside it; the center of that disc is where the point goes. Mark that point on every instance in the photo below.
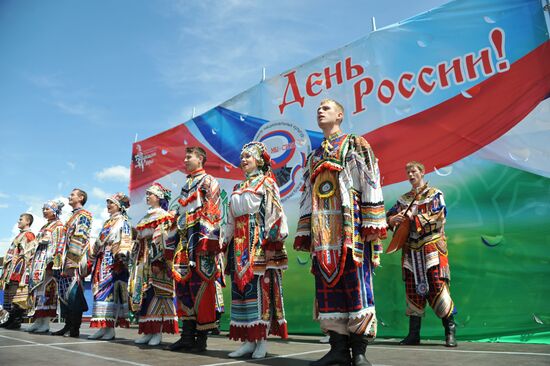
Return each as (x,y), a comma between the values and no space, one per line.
(461,88)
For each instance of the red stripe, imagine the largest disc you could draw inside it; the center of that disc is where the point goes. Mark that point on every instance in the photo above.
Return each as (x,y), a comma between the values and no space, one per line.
(458,127)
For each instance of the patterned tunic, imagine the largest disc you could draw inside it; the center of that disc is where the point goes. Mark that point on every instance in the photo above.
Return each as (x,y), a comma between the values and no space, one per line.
(341,204)
(151,280)
(256,231)
(42,284)
(424,257)
(197,265)
(110,273)
(15,278)
(71,261)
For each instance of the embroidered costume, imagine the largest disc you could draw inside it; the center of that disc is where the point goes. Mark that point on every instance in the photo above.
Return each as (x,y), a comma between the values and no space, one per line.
(151,281)
(197,262)
(425,263)
(110,271)
(341,205)
(256,231)
(42,284)
(15,278)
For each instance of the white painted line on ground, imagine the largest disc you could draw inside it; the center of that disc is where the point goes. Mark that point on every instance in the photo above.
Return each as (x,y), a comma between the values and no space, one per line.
(77,352)
(266,358)
(408,348)
(50,344)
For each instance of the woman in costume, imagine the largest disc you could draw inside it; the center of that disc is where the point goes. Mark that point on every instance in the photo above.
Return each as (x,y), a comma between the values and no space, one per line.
(151,282)
(255,234)
(42,284)
(109,256)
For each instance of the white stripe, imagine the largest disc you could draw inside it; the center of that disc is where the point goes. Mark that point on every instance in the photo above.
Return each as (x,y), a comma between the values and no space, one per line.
(409,348)
(77,352)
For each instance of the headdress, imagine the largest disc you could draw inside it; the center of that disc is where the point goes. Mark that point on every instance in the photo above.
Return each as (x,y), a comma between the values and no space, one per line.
(55,205)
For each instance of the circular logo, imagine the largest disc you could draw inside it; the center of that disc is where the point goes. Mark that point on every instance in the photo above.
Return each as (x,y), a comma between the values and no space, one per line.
(288,145)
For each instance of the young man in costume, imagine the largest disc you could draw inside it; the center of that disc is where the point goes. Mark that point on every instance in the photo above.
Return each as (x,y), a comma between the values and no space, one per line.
(70,264)
(424,255)
(342,220)
(15,277)
(196,267)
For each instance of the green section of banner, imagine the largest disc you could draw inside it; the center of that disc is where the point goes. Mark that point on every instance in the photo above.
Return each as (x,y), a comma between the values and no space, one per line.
(499,253)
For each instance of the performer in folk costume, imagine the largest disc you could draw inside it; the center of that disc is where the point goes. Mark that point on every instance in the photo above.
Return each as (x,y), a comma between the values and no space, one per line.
(15,278)
(109,259)
(342,220)
(70,264)
(42,284)
(151,281)
(255,234)
(196,267)
(424,255)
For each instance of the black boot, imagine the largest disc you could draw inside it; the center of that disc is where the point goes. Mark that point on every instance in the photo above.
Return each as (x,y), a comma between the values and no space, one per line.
(200,342)
(66,328)
(358,344)
(413,338)
(16,317)
(76,320)
(187,339)
(450,330)
(338,354)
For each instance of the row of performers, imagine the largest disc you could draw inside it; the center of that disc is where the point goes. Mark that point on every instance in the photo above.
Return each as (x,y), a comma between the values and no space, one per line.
(178,252)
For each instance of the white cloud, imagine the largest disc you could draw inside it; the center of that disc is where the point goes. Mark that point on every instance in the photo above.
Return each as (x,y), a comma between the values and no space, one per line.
(3,195)
(99,193)
(4,205)
(117,172)
(71,165)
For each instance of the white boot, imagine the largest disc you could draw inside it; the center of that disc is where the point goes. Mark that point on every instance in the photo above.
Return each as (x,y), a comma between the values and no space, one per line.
(34,326)
(261,349)
(100,332)
(155,339)
(44,326)
(247,347)
(109,334)
(143,339)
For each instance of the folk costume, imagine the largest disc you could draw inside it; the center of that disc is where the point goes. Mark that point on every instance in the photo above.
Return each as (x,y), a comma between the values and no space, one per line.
(70,268)
(109,258)
(341,206)
(424,260)
(42,283)
(196,263)
(151,280)
(15,278)
(256,257)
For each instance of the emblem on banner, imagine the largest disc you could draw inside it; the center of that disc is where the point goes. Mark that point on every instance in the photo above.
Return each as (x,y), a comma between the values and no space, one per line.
(288,145)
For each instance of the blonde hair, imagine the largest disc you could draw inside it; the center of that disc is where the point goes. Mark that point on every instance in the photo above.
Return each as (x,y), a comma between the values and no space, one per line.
(415,164)
(338,105)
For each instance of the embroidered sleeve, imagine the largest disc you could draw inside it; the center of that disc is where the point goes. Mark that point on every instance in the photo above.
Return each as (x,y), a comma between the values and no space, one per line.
(365,165)
(302,241)
(210,217)
(275,225)
(55,249)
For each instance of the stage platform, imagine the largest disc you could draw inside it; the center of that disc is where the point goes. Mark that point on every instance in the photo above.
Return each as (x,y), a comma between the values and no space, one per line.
(22,348)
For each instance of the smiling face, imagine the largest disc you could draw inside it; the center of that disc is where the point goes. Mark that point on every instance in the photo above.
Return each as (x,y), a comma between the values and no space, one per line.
(112,208)
(416,176)
(192,162)
(248,162)
(152,200)
(48,213)
(75,199)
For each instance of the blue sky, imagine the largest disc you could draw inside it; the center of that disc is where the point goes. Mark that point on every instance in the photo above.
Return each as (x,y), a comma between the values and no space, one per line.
(80,79)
